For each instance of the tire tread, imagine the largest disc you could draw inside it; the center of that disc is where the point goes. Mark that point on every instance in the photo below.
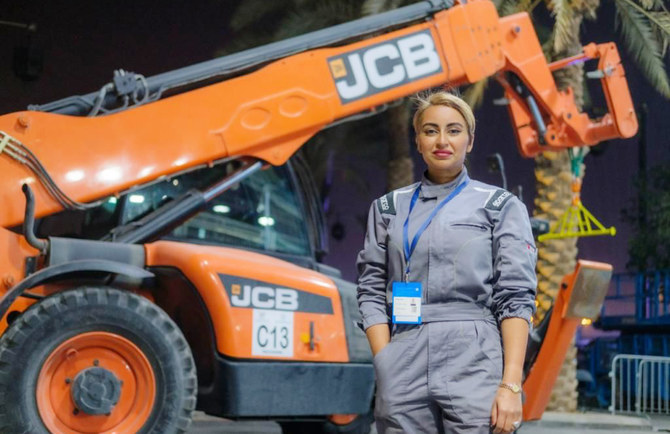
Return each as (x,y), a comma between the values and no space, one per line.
(54,306)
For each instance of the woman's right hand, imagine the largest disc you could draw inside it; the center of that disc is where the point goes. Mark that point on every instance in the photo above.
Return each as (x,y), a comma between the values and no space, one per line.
(379,335)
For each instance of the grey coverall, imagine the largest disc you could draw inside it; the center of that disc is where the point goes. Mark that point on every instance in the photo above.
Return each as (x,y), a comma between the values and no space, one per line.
(476,262)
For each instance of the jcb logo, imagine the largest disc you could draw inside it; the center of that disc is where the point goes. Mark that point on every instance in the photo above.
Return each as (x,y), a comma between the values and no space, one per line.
(373,69)
(264,297)
(257,294)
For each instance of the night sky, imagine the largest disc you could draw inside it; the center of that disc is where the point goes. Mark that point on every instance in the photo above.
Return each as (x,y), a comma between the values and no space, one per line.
(84,42)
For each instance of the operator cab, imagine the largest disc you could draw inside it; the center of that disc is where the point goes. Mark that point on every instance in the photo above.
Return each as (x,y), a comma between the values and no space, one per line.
(275,211)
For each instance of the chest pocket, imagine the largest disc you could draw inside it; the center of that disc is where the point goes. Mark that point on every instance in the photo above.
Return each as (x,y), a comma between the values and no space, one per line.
(468,225)
(464,247)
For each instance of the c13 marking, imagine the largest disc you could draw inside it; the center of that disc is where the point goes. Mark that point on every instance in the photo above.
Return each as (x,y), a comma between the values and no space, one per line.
(272,333)
(272,336)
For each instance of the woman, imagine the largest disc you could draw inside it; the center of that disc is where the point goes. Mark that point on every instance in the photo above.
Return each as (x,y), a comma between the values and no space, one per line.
(447,269)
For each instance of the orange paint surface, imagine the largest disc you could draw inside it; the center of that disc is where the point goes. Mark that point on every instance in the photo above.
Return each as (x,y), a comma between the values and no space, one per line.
(271,112)
(13,252)
(233,325)
(121,358)
(540,381)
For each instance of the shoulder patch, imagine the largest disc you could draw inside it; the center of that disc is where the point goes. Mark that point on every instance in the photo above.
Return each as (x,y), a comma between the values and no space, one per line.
(498,200)
(386,204)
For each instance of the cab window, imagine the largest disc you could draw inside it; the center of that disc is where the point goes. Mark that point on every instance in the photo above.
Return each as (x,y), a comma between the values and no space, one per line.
(262,212)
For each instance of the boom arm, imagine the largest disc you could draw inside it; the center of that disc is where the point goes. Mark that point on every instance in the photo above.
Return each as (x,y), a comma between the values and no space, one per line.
(268,114)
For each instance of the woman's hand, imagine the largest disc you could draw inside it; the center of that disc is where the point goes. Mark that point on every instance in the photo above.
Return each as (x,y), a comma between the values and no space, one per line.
(379,335)
(506,411)
(507,404)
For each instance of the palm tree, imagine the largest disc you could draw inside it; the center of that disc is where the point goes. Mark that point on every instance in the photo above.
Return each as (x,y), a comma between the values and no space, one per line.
(645,27)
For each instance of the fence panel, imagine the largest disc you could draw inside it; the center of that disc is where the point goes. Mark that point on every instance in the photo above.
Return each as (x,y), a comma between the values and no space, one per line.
(653,386)
(640,384)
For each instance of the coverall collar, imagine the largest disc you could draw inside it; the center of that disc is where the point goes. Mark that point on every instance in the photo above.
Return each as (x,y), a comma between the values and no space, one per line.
(431,190)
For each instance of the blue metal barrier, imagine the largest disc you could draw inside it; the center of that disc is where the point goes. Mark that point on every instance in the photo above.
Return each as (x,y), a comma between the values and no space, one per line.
(648,293)
(638,306)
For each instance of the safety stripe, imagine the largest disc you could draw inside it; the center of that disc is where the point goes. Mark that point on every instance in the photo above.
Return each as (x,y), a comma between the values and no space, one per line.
(498,200)
(386,204)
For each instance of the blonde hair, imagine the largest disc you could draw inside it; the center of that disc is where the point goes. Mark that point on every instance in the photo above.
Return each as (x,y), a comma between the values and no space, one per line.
(441,97)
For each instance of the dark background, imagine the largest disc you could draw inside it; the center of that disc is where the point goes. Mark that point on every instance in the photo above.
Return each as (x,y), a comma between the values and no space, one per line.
(83,42)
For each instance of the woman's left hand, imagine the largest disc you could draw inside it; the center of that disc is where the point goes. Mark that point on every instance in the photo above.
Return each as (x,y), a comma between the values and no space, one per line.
(506,411)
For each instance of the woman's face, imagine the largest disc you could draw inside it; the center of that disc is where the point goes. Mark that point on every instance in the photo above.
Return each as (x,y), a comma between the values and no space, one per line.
(443,142)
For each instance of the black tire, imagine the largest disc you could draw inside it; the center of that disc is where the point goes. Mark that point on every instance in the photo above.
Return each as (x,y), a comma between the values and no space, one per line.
(361,425)
(32,338)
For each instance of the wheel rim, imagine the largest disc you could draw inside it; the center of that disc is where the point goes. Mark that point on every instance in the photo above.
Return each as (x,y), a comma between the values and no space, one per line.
(125,367)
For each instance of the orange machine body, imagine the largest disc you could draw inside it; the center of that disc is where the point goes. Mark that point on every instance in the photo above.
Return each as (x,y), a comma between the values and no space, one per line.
(232,282)
(561,331)
(270,113)
(13,254)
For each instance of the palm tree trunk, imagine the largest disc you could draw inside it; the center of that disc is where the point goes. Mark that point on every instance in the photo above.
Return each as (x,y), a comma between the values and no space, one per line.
(400,170)
(557,258)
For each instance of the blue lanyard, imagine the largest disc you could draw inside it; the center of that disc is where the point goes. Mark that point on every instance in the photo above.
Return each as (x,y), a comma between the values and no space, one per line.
(405,238)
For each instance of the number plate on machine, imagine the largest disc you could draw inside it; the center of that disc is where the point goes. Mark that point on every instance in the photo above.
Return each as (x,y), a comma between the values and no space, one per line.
(272,333)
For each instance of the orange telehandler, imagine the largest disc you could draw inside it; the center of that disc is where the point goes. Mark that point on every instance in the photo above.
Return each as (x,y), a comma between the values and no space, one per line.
(164,265)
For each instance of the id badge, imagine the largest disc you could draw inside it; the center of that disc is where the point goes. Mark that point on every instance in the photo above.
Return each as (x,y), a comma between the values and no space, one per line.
(406,303)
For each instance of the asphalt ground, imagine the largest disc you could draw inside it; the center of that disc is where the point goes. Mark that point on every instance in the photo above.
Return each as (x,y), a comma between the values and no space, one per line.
(551,423)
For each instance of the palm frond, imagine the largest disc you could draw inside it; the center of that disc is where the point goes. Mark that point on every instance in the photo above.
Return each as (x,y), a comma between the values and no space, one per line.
(507,7)
(661,23)
(563,30)
(547,47)
(652,4)
(661,20)
(372,7)
(588,8)
(659,17)
(474,94)
(250,12)
(321,15)
(641,42)
(525,5)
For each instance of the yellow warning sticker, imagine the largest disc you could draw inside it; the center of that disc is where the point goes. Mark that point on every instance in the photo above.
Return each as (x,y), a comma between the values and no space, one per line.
(337,68)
